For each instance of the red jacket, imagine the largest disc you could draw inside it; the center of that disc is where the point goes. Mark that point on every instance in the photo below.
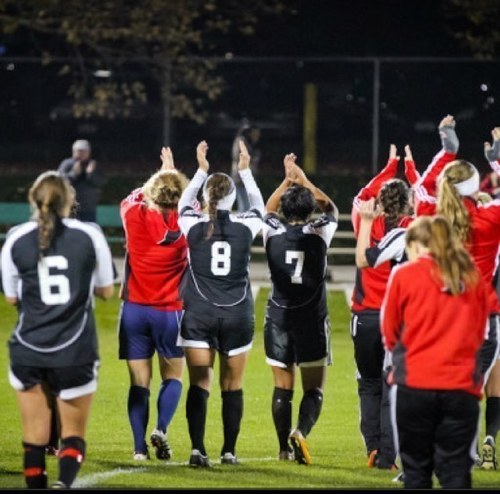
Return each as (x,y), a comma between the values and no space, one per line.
(370,282)
(156,255)
(434,336)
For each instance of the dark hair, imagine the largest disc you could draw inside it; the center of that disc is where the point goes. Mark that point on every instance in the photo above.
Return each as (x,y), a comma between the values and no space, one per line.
(393,198)
(297,203)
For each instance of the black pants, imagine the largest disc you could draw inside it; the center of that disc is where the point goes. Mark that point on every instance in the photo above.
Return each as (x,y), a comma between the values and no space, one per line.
(436,432)
(375,421)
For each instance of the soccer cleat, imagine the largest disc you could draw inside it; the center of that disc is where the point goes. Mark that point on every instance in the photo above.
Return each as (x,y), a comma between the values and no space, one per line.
(286,455)
(58,485)
(198,460)
(160,443)
(141,456)
(489,457)
(229,459)
(372,458)
(300,449)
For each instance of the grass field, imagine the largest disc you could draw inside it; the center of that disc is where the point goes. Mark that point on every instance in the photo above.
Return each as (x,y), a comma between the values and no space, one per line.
(335,443)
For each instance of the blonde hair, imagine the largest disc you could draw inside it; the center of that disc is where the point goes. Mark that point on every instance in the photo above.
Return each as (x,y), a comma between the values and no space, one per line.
(51,198)
(217,186)
(450,203)
(164,189)
(455,264)
(483,198)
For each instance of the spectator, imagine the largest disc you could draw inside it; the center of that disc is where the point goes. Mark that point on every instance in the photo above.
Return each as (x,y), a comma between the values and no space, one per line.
(85,176)
(53,350)
(250,136)
(297,325)
(151,311)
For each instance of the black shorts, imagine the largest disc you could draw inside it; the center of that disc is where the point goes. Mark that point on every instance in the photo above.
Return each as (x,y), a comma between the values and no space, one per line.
(66,382)
(228,335)
(305,343)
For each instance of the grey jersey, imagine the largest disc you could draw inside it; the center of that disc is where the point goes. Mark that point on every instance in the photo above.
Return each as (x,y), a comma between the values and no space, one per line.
(55,294)
(297,261)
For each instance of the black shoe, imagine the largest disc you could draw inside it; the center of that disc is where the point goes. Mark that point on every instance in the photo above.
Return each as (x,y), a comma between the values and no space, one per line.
(160,443)
(198,460)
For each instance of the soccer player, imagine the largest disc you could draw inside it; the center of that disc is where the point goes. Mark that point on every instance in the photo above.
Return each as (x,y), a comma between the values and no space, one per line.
(297,325)
(218,302)
(51,268)
(478,227)
(392,195)
(434,329)
(151,311)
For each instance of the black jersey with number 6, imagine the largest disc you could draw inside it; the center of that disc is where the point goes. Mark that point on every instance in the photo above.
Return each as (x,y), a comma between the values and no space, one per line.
(55,294)
(297,261)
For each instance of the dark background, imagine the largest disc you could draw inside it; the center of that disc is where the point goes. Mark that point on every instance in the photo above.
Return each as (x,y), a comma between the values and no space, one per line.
(425,73)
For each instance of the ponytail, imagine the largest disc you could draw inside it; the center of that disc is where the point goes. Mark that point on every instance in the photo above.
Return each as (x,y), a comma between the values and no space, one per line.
(450,203)
(455,266)
(51,198)
(217,187)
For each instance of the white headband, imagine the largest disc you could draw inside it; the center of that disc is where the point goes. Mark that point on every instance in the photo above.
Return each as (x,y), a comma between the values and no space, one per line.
(469,186)
(228,200)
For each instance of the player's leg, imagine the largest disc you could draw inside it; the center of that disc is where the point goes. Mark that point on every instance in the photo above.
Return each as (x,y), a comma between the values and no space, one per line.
(171,361)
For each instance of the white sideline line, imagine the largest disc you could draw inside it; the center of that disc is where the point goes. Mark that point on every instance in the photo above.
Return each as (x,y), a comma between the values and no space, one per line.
(94,479)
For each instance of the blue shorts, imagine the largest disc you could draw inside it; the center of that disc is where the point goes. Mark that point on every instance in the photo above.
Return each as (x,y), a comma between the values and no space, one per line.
(144,330)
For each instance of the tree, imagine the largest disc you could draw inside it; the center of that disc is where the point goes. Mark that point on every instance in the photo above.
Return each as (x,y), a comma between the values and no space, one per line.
(104,43)
(475,24)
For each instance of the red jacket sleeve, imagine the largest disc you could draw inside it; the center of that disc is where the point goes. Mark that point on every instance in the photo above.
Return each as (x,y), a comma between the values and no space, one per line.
(411,172)
(427,185)
(133,199)
(372,189)
(391,314)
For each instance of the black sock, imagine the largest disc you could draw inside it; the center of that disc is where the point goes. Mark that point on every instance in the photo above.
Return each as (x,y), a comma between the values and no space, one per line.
(282,415)
(34,466)
(492,416)
(71,457)
(232,411)
(138,415)
(196,414)
(310,408)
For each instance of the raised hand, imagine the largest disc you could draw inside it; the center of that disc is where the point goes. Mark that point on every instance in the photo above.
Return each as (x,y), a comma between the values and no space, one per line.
(201,156)
(492,151)
(448,121)
(91,167)
(167,159)
(448,135)
(368,210)
(393,152)
(408,153)
(244,162)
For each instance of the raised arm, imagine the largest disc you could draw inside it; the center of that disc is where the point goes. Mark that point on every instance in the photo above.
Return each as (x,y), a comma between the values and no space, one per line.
(367,213)
(274,199)
(427,187)
(191,191)
(296,175)
(411,172)
(254,195)
(492,151)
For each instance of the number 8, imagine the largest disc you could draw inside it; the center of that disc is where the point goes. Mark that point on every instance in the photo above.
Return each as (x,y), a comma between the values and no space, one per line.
(221,258)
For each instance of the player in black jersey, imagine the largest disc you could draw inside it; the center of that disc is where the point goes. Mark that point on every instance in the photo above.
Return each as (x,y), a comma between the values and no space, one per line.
(218,302)
(51,268)
(297,326)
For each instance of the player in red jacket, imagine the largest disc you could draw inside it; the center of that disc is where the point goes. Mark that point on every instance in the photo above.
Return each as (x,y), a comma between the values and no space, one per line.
(392,196)
(434,329)
(478,226)
(152,309)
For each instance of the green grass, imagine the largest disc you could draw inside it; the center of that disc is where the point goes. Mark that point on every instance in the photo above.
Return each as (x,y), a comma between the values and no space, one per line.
(335,442)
